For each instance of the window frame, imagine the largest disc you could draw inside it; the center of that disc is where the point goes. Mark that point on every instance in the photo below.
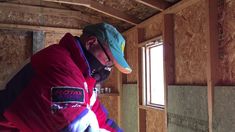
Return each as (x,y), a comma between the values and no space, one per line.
(146,72)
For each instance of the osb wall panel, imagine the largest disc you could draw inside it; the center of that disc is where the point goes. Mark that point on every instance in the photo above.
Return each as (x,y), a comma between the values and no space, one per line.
(155,120)
(111,81)
(15,48)
(111,104)
(52,38)
(227,43)
(153,28)
(131,51)
(190,45)
(27,18)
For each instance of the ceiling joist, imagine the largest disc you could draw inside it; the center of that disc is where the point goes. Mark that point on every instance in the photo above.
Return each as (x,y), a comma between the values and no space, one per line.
(48,11)
(156,4)
(100,8)
(40,28)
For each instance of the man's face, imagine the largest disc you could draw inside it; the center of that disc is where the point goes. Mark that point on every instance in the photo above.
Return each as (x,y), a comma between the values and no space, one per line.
(99,58)
(101,51)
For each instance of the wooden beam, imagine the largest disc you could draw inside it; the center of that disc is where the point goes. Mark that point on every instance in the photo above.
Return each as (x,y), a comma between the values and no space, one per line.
(48,11)
(212,41)
(38,3)
(169,59)
(85,3)
(100,8)
(119,87)
(156,4)
(142,120)
(40,28)
(180,6)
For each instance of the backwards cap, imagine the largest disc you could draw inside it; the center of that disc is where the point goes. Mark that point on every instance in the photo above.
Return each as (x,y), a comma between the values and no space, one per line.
(109,34)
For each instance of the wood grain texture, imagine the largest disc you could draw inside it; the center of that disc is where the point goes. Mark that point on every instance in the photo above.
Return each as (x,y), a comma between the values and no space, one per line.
(131,50)
(111,104)
(190,45)
(153,28)
(15,48)
(227,42)
(14,14)
(155,120)
(112,81)
(52,38)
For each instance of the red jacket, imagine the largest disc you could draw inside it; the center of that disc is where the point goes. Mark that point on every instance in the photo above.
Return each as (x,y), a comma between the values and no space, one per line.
(60,65)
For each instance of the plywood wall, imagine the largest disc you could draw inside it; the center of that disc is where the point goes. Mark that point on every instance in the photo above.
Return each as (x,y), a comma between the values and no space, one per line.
(190,45)
(112,81)
(227,42)
(15,48)
(152,28)
(155,120)
(111,104)
(52,38)
(131,50)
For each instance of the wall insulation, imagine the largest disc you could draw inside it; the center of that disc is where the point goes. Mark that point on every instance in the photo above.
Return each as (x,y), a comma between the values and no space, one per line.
(129,108)
(223,115)
(187,109)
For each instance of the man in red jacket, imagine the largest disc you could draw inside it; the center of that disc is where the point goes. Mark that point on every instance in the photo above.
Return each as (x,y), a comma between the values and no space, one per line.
(55,90)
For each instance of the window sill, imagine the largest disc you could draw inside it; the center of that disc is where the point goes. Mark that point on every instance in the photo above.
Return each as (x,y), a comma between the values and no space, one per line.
(151,108)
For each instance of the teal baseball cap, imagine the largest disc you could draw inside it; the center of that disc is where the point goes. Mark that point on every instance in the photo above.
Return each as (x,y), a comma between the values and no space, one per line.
(116,43)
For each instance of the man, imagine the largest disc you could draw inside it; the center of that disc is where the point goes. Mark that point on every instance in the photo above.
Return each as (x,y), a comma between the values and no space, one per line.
(58,95)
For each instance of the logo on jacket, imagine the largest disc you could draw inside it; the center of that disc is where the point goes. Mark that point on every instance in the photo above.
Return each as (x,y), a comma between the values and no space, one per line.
(66,94)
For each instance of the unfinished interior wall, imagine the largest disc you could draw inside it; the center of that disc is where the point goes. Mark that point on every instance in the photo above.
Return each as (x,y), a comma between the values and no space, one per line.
(111,104)
(227,42)
(52,38)
(15,48)
(223,115)
(152,28)
(187,109)
(131,51)
(155,120)
(190,45)
(151,119)
(112,81)
(129,108)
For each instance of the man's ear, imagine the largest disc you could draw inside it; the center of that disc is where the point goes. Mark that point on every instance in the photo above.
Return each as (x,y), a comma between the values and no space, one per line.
(91,41)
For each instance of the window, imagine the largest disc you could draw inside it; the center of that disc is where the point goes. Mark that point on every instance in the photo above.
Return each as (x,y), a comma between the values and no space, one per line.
(153,73)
